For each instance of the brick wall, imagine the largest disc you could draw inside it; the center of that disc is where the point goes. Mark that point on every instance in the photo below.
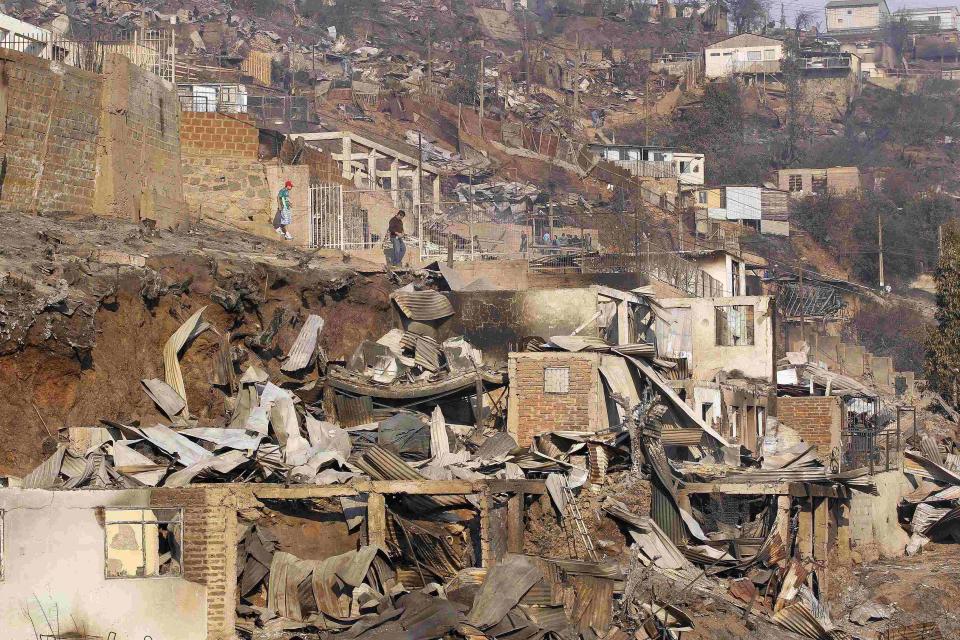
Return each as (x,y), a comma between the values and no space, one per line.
(209,547)
(86,143)
(50,115)
(536,411)
(219,134)
(817,419)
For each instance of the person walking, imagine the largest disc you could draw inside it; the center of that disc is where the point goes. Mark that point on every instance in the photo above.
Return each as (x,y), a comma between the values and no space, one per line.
(395,229)
(284,211)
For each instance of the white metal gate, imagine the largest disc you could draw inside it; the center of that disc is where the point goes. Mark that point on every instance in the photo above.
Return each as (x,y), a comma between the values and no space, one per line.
(338,219)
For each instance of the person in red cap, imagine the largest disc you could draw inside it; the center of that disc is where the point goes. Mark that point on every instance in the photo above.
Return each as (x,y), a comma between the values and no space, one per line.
(284,211)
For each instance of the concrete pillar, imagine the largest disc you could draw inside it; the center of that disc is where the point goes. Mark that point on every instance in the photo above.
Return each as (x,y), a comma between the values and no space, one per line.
(416,193)
(347,153)
(436,194)
(372,168)
(821,537)
(783,518)
(395,182)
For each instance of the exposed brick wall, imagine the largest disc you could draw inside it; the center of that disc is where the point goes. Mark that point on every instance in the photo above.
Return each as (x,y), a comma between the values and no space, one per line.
(219,134)
(540,412)
(51,116)
(209,548)
(87,143)
(817,419)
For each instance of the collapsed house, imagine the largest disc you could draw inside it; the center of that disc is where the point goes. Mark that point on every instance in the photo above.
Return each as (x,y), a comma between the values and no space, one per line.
(409,489)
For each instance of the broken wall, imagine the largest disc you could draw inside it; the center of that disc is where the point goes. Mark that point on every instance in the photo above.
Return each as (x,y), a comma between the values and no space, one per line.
(138,156)
(816,419)
(53,564)
(495,320)
(754,361)
(86,143)
(553,392)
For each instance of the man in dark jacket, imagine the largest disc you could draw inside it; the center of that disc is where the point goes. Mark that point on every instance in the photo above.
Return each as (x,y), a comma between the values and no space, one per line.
(396,238)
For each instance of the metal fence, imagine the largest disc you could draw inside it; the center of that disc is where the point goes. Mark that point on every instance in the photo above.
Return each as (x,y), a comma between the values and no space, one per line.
(871,449)
(681,274)
(151,50)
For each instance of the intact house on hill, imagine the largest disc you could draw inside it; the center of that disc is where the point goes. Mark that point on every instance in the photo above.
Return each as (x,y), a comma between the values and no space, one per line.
(930,19)
(653,162)
(853,15)
(805,182)
(761,208)
(746,53)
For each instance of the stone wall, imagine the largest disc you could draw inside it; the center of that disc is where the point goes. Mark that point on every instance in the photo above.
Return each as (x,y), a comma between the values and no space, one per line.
(219,134)
(537,410)
(50,117)
(240,193)
(86,143)
(817,419)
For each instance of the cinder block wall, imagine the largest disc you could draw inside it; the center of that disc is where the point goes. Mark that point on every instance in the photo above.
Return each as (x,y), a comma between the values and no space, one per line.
(51,115)
(219,134)
(817,419)
(533,411)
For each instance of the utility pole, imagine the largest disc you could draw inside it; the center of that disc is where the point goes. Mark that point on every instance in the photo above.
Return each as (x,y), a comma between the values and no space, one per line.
(783,17)
(939,243)
(646,112)
(880,245)
(803,337)
(429,57)
(576,76)
(480,87)
(679,209)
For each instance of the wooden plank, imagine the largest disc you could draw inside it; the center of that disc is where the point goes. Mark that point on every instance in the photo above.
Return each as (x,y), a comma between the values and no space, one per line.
(804,489)
(377,520)
(739,488)
(305,346)
(515,523)
(486,553)
(392,487)
(805,530)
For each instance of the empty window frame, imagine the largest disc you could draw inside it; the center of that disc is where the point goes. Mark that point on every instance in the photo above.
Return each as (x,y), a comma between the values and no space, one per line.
(819,184)
(795,182)
(143,543)
(734,325)
(769,54)
(702,197)
(753,55)
(556,380)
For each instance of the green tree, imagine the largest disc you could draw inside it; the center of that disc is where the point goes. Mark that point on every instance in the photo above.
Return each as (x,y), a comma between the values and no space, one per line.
(943,345)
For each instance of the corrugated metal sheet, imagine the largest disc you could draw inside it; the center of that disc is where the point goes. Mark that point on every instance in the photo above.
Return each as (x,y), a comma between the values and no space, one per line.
(352,412)
(381,464)
(423,306)
(426,350)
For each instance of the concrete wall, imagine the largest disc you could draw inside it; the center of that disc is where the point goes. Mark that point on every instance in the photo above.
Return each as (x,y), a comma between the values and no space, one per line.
(138,158)
(751,361)
(495,320)
(86,143)
(535,411)
(844,18)
(220,134)
(874,527)
(53,558)
(816,419)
